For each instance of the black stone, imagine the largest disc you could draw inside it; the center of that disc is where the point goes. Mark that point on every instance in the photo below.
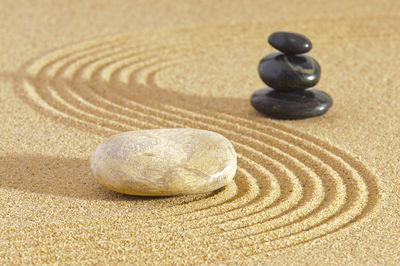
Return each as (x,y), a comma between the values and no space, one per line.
(290,42)
(291,105)
(289,72)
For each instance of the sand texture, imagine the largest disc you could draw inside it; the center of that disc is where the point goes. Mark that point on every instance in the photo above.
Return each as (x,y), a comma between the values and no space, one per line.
(313,191)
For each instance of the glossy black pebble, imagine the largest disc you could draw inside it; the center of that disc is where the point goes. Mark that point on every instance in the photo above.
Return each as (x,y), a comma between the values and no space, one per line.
(291,105)
(290,42)
(289,72)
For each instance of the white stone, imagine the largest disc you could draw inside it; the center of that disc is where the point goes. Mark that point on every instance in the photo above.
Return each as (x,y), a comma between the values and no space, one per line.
(164,162)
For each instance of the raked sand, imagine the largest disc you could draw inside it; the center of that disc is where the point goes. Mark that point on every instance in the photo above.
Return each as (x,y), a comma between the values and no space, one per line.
(320,190)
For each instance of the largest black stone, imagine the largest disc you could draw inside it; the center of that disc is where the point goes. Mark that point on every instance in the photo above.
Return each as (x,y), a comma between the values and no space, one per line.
(289,72)
(291,105)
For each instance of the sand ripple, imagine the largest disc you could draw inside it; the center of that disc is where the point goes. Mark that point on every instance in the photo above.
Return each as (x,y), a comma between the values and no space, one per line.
(290,187)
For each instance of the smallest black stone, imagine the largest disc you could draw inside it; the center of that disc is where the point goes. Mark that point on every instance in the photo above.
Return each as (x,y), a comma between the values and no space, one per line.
(290,43)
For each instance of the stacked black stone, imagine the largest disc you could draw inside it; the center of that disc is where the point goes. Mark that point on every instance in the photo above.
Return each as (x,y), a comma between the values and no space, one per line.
(290,77)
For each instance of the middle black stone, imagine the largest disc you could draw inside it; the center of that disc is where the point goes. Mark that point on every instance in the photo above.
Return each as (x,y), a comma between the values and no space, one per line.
(289,72)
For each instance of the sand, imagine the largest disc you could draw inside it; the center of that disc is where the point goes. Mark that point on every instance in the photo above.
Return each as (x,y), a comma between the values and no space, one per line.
(320,190)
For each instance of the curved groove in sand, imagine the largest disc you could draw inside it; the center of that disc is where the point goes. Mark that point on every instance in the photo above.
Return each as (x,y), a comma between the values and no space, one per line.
(94,71)
(289,150)
(79,101)
(214,199)
(364,191)
(225,214)
(284,205)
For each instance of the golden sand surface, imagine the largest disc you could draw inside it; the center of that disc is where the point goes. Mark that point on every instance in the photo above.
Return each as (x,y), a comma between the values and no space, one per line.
(314,191)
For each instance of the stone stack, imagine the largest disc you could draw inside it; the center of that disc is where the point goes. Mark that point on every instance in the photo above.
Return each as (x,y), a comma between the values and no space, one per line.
(290,76)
